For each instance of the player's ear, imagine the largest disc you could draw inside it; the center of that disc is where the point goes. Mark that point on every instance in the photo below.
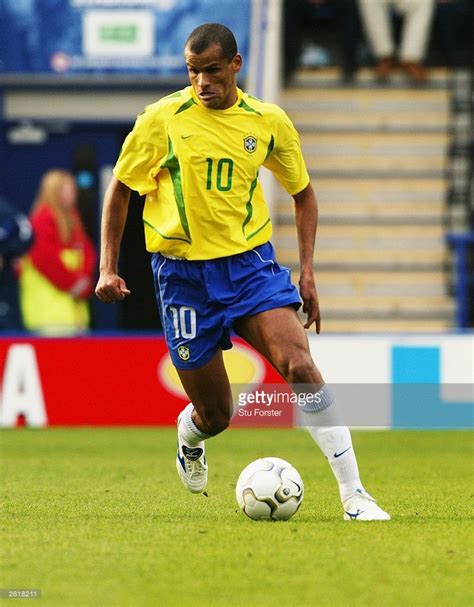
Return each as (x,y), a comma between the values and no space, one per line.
(237,63)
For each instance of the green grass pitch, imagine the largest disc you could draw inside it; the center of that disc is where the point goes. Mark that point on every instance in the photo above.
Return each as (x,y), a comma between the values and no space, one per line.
(99,517)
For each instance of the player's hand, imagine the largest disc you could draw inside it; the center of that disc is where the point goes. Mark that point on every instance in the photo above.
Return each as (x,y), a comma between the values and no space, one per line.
(309,295)
(111,288)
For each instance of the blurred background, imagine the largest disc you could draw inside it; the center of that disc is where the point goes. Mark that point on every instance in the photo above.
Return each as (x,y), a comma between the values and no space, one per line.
(386,128)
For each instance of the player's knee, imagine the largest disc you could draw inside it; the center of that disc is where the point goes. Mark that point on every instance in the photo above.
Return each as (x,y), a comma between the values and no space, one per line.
(301,369)
(215,422)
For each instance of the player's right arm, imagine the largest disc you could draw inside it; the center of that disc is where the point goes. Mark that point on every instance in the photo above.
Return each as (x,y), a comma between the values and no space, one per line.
(111,287)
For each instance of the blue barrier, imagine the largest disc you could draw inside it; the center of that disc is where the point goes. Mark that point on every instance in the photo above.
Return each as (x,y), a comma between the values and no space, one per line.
(463,280)
(416,399)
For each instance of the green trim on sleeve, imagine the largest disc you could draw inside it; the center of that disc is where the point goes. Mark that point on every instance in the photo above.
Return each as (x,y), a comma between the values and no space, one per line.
(155,229)
(258,229)
(249,205)
(171,163)
(247,108)
(182,108)
(271,145)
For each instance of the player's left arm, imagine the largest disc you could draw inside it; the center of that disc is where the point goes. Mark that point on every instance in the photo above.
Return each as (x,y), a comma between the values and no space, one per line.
(287,164)
(306,217)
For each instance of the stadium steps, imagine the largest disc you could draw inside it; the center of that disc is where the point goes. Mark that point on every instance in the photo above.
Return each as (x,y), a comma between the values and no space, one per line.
(354,237)
(418,155)
(375,283)
(394,325)
(388,191)
(371,259)
(438,79)
(370,213)
(377,157)
(371,121)
(386,307)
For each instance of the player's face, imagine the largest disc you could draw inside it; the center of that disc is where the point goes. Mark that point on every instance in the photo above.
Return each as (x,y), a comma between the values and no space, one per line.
(213,76)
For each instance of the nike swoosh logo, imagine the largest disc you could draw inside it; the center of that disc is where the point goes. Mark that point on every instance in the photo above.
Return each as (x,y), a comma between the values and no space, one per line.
(342,452)
(185,136)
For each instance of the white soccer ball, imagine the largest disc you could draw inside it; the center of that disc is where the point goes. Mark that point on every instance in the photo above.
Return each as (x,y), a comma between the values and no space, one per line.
(269,489)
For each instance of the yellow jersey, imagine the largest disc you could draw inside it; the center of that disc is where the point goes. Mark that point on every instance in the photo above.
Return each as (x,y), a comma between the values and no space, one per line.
(199,170)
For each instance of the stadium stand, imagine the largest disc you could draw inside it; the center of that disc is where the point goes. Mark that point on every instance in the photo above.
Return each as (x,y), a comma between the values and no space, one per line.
(379,157)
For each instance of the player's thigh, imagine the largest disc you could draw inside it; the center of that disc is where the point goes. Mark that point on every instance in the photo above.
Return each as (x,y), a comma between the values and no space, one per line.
(208,388)
(279,336)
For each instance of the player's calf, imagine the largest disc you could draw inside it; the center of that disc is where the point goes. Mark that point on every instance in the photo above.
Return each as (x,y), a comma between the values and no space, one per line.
(213,422)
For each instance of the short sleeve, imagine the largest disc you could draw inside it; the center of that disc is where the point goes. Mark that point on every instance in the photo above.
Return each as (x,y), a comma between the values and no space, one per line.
(143,152)
(286,159)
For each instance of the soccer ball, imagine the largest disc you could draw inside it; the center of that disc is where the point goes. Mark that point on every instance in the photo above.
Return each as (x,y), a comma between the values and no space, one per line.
(269,489)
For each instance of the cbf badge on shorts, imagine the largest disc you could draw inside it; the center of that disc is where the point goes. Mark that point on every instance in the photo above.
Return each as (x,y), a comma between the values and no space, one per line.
(184,353)
(250,144)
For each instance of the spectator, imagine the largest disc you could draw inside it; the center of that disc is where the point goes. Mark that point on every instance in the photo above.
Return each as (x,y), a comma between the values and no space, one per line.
(293,23)
(316,18)
(57,275)
(15,239)
(417,18)
(349,35)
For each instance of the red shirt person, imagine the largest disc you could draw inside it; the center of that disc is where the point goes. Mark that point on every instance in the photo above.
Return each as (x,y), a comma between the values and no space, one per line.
(57,275)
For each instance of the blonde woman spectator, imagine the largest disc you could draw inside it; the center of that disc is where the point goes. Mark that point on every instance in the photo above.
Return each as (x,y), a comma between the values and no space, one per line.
(417,19)
(57,275)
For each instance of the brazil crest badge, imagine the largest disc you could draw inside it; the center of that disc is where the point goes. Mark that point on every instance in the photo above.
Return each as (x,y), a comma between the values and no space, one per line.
(250,144)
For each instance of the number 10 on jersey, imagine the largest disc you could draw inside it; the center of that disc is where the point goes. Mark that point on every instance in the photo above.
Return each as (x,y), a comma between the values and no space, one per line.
(221,177)
(184,321)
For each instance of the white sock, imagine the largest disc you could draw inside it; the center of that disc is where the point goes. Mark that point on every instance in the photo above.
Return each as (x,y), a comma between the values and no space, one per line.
(188,431)
(324,423)
(336,444)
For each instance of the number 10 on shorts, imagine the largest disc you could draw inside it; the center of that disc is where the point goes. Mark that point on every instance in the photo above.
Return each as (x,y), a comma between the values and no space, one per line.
(184,322)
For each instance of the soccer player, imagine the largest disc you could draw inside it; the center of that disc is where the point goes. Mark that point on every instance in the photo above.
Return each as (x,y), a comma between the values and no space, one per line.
(196,155)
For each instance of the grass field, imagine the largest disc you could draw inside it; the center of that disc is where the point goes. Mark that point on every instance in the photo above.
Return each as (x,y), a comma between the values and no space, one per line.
(99,517)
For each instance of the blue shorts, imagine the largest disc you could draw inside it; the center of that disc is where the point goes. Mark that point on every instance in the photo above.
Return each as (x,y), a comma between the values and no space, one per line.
(199,300)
